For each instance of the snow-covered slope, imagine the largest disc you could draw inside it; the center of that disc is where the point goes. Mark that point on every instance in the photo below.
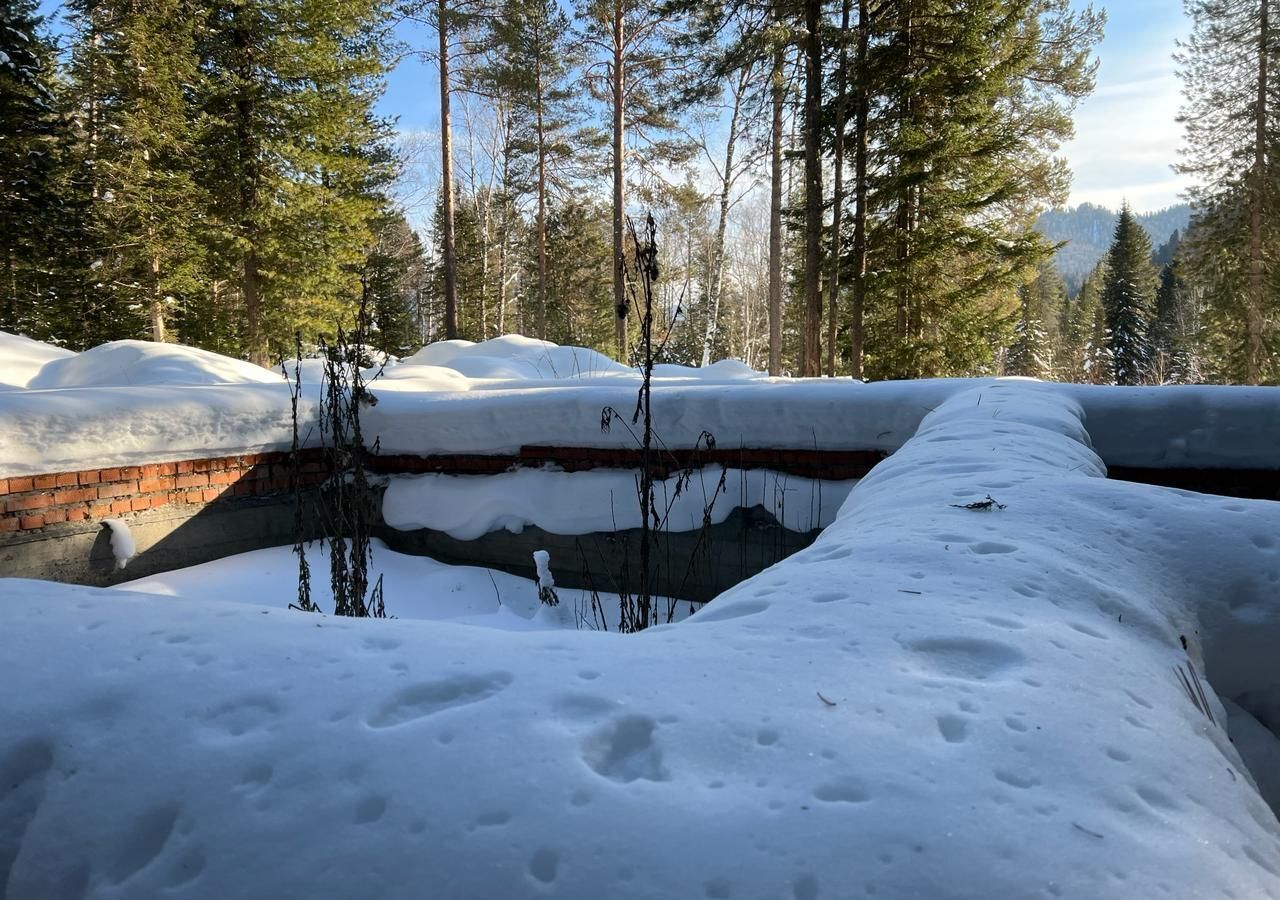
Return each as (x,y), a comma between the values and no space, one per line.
(21,359)
(932,701)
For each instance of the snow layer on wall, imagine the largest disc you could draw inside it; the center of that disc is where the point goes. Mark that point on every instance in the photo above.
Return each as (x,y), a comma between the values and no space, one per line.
(132,402)
(602,500)
(931,701)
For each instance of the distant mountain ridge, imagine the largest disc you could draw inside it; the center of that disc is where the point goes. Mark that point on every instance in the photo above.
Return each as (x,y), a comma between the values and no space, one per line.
(1088,229)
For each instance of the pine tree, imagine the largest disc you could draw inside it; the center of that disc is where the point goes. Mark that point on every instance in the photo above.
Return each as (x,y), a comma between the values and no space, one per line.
(532,58)
(973,102)
(1128,297)
(141,74)
(295,157)
(1232,127)
(31,134)
(635,76)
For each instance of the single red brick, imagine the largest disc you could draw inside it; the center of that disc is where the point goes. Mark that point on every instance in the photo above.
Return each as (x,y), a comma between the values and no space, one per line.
(190,481)
(75,496)
(150,471)
(183,467)
(131,472)
(44,482)
(168,468)
(109,474)
(107,491)
(26,523)
(92,477)
(8,523)
(77,515)
(68,479)
(193,497)
(54,516)
(98,510)
(224,477)
(28,501)
(159,500)
(120,506)
(138,503)
(18,485)
(151,485)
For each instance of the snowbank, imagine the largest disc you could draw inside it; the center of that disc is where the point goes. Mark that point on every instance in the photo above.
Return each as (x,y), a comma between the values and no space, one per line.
(148,363)
(21,358)
(135,402)
(602,500)
(931,701)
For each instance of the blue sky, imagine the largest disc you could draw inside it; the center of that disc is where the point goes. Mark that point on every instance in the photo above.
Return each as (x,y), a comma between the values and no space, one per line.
(1127,135)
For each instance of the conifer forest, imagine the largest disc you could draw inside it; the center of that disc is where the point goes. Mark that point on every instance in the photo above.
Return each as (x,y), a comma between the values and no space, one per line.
(840,187)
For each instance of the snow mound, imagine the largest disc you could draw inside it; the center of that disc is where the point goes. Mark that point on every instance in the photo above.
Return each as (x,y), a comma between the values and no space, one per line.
(136,363)
(514,357)
(941,698)
(21,359)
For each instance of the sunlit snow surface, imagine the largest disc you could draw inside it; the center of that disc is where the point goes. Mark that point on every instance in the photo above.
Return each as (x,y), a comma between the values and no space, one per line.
(132,402)
(930,702)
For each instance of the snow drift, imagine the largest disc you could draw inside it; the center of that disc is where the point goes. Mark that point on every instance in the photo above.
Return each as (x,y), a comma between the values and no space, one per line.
(148,363)
(21,359)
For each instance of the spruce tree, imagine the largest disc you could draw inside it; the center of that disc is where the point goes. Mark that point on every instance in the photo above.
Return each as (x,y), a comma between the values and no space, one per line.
(1128,297)
(1030,354)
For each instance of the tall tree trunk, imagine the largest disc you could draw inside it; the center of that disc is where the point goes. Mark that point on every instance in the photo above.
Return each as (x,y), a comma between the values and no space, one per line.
(156,302)
(504,236)
(542,204)
(722,223)
(811,348)
(837,192)
(860,192)
(1255,350)
(620,305)
(446,180)
(903,225)
(247,151)
(775,217)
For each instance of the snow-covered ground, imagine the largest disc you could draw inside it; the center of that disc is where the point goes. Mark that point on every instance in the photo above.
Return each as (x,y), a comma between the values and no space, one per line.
(415,586)
(932,701)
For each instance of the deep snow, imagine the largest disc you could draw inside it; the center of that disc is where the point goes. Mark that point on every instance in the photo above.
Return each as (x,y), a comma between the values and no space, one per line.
(931,701)
(133,402)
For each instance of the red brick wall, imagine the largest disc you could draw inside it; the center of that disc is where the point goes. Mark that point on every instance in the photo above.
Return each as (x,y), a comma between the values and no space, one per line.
(31,502)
